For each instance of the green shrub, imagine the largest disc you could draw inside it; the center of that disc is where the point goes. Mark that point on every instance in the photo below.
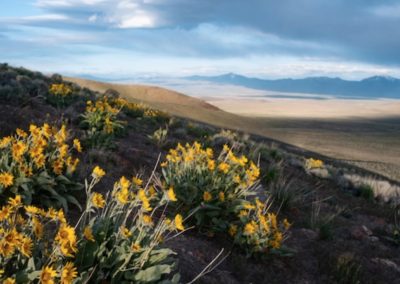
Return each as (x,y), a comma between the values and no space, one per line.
(256,230)
(347,270)
(60,95)
(367,192)
(215,189)
(159,136)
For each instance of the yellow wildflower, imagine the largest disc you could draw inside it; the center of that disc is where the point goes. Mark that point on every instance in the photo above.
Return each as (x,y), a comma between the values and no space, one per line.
(31,209)
(9,280)
(98,200)
(211,165)
(37,228)
(249,206)
(47,275)
(77,145)
(88,234)
(18,149)
(171,194)
(68,273)
(224,167)
(179,222)
(135,247)
(137,181)
(123,196)
(221,196)
(286,224)
(21,133)
(232,230)
(6,179)
(125,232)
(5,142)
(98,172)
(5,212)
(26,246)
(250,228)
(207,196)
(142,196)
(124,182)
(147,219)
(15,202)
(6,249)
(67,239)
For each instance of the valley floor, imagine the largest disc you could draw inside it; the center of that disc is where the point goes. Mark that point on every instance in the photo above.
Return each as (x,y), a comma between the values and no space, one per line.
(362,133)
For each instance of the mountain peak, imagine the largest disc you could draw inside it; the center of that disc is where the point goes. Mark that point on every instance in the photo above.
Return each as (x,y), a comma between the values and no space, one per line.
(378,78)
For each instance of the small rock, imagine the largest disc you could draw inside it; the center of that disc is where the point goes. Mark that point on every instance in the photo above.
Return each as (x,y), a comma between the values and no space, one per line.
(321,173)
(373,239)
(309,234)
(386,262)
(360,232)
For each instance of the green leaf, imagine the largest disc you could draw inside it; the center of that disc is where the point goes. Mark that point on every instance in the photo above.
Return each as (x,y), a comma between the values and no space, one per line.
(153,273)
(158,256)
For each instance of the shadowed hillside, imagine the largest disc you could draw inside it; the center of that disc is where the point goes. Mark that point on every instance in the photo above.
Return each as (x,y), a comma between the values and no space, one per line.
(372,144)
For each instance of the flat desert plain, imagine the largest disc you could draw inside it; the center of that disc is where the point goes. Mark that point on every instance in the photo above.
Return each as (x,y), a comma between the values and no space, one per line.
(365,133)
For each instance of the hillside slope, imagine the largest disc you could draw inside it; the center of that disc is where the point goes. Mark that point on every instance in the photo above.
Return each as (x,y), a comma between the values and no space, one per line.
(357,142)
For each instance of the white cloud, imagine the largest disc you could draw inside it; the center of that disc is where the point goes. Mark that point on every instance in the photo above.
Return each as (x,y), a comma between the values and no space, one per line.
(388,11)
(93,18)
(67,3)
(46,17)
(117,13)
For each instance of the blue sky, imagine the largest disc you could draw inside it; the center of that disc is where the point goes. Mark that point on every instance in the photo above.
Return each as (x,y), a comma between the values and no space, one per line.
(265,38)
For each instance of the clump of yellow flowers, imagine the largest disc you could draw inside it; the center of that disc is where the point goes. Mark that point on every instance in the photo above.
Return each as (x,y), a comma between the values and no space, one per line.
(313,164)
(116,239)
(256,229)
(36,245)
(101,121)
(139,109)
(60,90)
(60,95)
(217,190)
(39,164)
(208,184)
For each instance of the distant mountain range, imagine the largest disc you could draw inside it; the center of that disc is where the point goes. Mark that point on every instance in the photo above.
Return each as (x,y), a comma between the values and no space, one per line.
(373,87)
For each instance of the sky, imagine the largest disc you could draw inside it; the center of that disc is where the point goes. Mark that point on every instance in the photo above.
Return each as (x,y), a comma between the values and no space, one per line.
(263,38)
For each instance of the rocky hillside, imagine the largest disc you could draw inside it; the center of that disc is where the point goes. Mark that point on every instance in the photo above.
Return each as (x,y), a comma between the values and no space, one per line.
(149,197)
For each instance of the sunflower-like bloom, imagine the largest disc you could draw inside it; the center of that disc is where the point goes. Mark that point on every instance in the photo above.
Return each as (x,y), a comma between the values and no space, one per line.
(77,145)
(171,194)
(6,179)
(98,200)
(67,240)
(207,196)
(98,172)
(26,246)
(179,222)
(47,275)
(250,228)
(15,202)
(88,234)
(68,273)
